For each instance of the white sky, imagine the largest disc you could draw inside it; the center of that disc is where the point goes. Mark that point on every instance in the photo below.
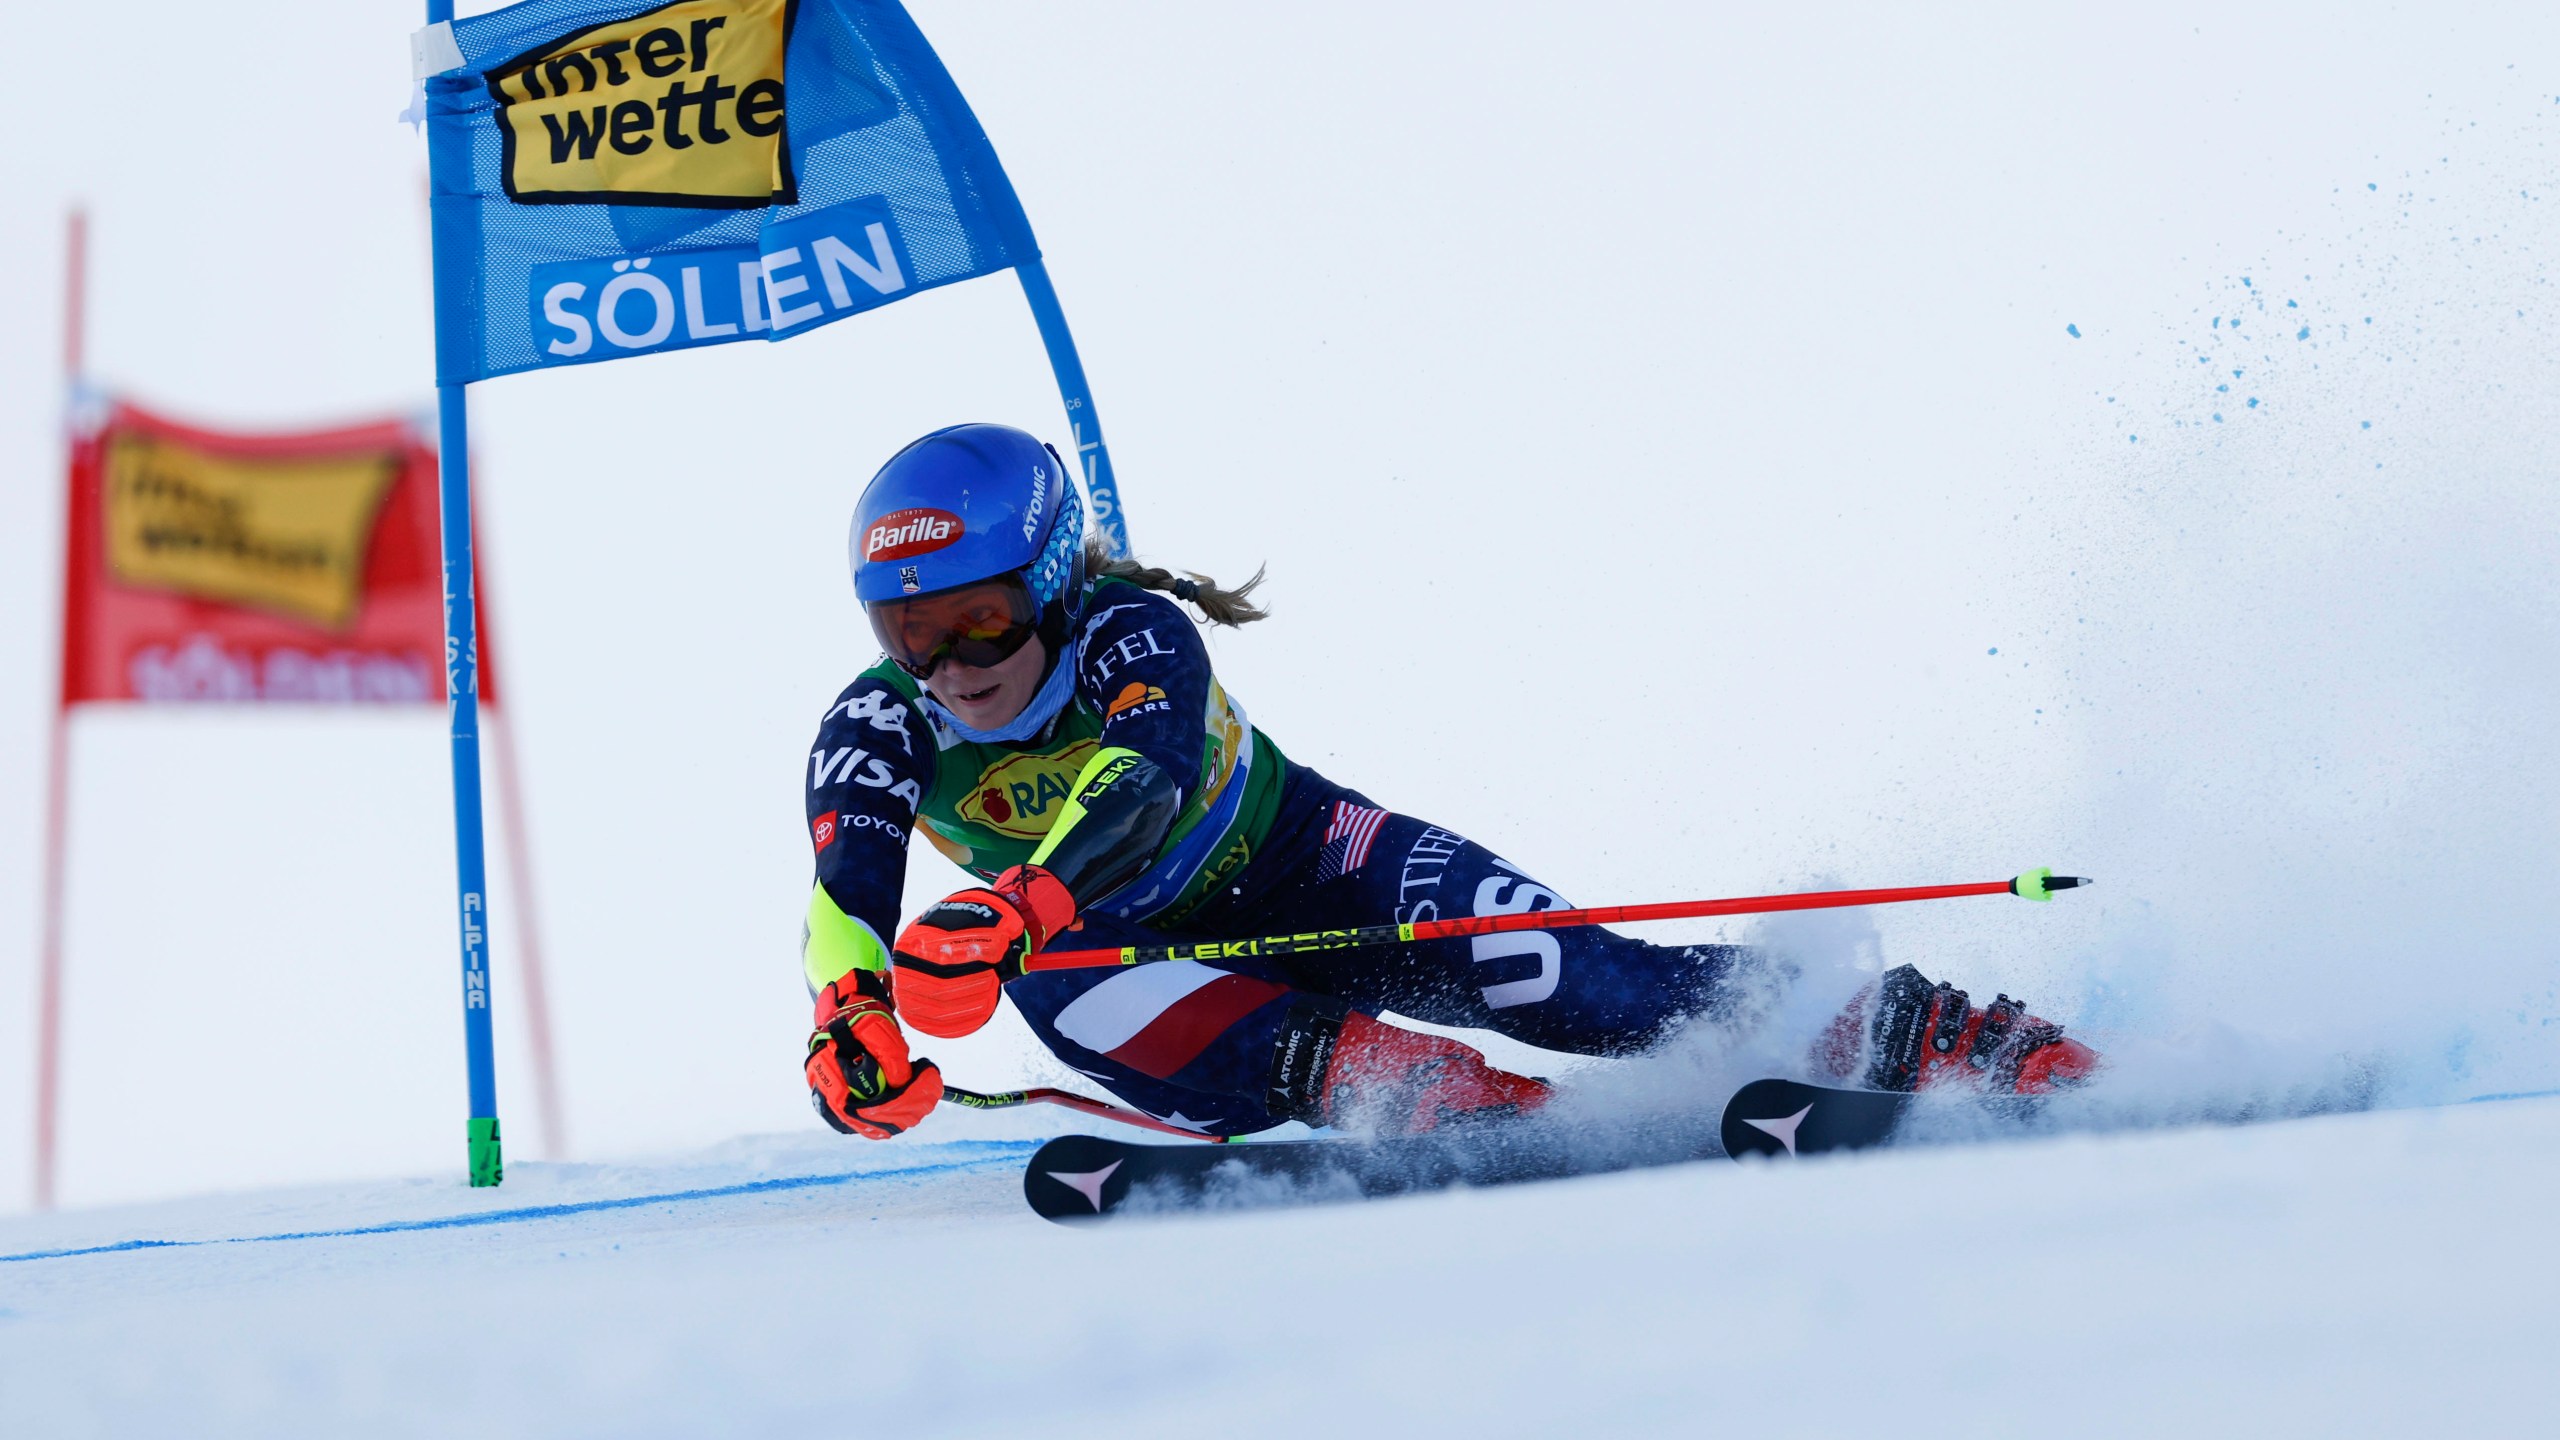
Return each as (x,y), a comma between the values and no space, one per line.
(1652,416)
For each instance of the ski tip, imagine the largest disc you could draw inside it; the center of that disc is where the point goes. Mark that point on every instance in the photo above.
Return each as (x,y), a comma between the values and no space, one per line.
(1787,1119)
(2040,883)
(1076,1177)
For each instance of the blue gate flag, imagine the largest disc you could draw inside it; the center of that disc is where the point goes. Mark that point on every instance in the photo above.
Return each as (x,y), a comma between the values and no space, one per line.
(620,177)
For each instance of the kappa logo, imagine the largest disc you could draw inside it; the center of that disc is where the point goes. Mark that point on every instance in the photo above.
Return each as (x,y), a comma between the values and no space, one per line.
(1138,697)
(1093,623)
(905,534)
(680,105)
(1018,795)
(882,709)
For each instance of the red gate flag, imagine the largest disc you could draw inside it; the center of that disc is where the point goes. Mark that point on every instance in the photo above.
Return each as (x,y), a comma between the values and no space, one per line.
(210,566)
(296,568)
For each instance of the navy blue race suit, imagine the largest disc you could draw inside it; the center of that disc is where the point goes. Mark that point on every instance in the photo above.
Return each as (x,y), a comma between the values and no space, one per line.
(1261,845)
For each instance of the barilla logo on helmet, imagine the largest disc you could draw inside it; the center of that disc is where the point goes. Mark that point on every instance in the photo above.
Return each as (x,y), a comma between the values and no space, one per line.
(903,533)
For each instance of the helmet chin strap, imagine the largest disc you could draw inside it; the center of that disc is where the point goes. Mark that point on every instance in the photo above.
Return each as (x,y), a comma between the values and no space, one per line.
(1045,704)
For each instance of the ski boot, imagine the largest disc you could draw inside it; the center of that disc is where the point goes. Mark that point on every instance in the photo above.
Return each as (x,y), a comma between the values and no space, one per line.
(1335,1066)
(1913,1035)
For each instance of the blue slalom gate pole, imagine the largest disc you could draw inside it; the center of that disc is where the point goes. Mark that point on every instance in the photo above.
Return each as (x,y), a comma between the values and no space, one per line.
(462,692)
(1083,424)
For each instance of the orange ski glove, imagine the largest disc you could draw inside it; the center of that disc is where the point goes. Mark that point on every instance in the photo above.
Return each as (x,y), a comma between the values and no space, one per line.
(860,1077)
(953,960)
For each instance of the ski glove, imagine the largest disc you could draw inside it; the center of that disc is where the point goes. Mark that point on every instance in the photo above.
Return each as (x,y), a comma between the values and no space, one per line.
(860,1077)
(953,961)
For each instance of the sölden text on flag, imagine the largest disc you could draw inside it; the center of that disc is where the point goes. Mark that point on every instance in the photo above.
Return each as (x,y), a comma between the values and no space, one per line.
(616,177)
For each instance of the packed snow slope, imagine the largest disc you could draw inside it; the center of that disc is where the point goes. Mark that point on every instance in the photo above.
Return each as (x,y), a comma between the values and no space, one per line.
(2384,1273)
(1890,448)
(1698,451)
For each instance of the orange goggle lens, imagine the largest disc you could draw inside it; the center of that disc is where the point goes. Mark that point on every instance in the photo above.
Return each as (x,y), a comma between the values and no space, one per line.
(981,624)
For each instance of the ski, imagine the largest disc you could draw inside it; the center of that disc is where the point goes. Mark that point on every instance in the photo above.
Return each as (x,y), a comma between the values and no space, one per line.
(1790,1118)
(1085,1177)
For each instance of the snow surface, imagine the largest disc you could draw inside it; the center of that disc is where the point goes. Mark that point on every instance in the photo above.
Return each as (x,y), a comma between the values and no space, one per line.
(1781,349)
(2372,1274)
(2114,437)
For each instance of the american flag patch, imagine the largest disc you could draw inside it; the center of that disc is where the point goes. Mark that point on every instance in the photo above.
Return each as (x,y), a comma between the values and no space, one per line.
(1347,839)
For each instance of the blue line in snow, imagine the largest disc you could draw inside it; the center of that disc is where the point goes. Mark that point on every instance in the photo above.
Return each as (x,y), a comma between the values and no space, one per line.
(2512,1095)
(1002,1151)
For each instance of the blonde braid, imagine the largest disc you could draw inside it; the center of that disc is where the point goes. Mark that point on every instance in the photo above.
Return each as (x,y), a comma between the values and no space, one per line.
(1217,606)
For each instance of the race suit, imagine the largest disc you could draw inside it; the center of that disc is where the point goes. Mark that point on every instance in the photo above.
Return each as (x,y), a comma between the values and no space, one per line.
(1260,845)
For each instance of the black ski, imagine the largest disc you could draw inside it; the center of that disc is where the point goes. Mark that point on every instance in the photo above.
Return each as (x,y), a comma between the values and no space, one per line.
(1080,1177)
(1787,1117)
(1083,1177)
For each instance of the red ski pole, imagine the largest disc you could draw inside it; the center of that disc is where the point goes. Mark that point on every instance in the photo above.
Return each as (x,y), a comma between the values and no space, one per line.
(2034,885)
(1083,1105)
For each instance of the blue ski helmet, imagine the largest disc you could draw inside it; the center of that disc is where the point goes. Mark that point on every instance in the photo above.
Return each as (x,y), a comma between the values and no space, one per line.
(966,504)
(968,544)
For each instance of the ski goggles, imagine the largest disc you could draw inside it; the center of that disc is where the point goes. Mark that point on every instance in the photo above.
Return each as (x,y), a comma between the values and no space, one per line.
(979,625)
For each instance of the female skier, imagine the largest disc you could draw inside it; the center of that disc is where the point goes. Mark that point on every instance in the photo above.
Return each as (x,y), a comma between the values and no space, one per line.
(1052,724)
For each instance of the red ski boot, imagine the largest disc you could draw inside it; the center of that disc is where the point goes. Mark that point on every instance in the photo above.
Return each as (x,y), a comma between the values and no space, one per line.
(1913,1035)
(1371,1075)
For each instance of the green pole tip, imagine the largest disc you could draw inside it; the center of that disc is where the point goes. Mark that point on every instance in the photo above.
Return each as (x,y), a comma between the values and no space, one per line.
(2041,883)
(486,1166)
